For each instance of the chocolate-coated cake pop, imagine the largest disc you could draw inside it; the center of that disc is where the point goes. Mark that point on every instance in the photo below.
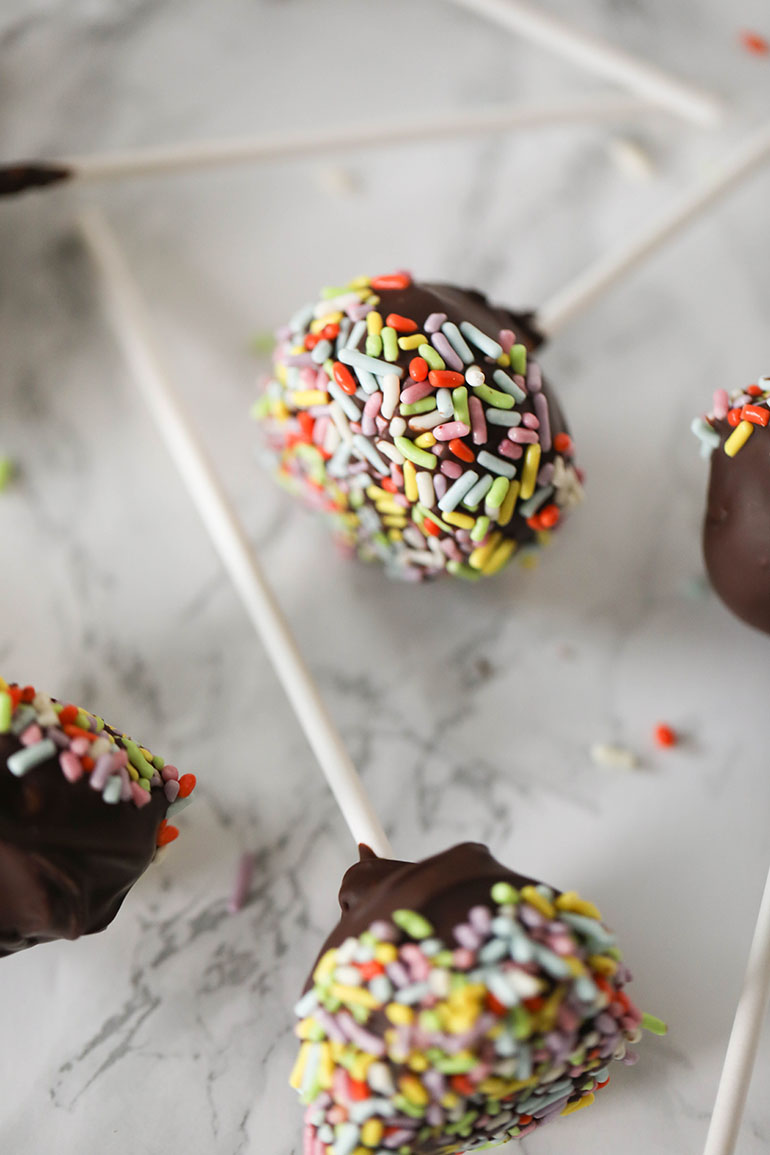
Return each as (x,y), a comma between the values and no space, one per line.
(83,809)
(736,527)
(457,1004)
(415,417)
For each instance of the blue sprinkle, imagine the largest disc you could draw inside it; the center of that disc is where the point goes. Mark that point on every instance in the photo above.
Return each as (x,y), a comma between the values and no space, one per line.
(508,385)
(496,464)
(481,340)
(25,760)
(372,364)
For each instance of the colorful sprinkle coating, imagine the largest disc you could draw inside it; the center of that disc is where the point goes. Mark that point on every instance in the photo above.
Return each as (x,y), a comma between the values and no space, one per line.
(744,410)
(390,423)
(115,766)
(413,1045)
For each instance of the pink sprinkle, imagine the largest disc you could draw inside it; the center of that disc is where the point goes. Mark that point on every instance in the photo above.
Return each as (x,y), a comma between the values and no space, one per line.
(508,449)
(321,380)
(448,544)
(416,961)
(168,772)
(530,421)
(80,746)
(440,486)
(721,404)
(463,958)
(32,735)
(523,436)
(507,339)
(320,430)
(72,768)
(336,1114)
(397,474)
(452,469)
(243,878)
(434,322)
(308,378)
(171,790)
(478,421)
(371,409)
(140,796)
(414,392)
(355,426)
(534,377)
(451,429)
(102,771)
(121,758)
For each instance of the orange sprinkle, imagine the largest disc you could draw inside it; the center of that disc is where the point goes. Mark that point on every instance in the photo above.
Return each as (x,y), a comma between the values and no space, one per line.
(734,417)
(756,414)
(604,1084)
(186,785)
(445,378)
(754,42)
(87,762)
(312,340)
(344,377)
(431,528)
(562,443)
(418,368)
(359,1090)
(78,732)
(664,735)
(68,714)
(166,834)
(389,484)
(370,970)
(391,281)
(753,390)
(461,450)
(549,516)
(306,423)
(462,1084)
(28,694)
(330,332)
(401,324)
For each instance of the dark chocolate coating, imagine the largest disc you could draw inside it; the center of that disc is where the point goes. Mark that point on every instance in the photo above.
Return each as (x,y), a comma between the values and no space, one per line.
(29,175)
(736,528)
(67,858)
(442,888)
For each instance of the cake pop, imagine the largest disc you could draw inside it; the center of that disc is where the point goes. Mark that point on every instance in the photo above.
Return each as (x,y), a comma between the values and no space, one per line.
(736,527)
(83,809)
(415,417)
(457,1004)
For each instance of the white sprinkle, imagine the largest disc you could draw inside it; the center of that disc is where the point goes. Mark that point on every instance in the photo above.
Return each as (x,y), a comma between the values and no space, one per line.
(480,489)
(426,492)
(444,403)
(340,421)
(397,427)
(390,451)
(474,377)
(481,340)
(425,421)
(615,757)
(336,304)
(391,392)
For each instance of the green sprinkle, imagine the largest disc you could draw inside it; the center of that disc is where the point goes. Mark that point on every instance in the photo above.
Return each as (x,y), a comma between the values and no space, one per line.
(430,1021)
(414,454)
(84,720)
(460,404)
(522,1022)
(653,1025)
(519,359)
(429,354)
(158,762)
(138,760)
(329,292)
(261,407)
(504,893)
(373,345)
(459,569)
(412,923)
(401,1103)
(494,397)
(6,710)
(422,512)
(424,405)
(479,531)
(389,343)
(444,958)
(456,1064)
(497,492)
(262,343)
(7,470)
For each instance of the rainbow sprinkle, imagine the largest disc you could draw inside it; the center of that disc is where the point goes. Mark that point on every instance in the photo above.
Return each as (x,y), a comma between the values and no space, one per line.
(411,1045)
(426,444)
(115,766)
(743,410)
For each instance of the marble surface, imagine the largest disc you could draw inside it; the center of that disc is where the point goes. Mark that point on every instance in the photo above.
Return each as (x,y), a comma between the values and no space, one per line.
(469,710)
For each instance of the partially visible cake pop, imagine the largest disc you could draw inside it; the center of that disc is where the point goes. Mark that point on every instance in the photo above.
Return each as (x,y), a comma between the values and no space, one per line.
(415,417)
(736,527)
(456,1005)
(83,809)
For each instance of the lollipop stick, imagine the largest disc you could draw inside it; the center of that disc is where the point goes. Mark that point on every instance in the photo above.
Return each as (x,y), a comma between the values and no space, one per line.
(599,278)
(132,326)
(744,1039)
(602,59)
(169,159)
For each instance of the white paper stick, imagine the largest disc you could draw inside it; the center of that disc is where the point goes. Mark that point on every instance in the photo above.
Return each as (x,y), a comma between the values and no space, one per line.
(133,329)
(744,1040)
(169,159)
(598,278)
(687,100)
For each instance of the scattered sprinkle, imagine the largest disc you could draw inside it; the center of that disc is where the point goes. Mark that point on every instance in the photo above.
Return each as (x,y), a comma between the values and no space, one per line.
(242,883)
(734,418)
(754,42)
(665,736)
(613,756)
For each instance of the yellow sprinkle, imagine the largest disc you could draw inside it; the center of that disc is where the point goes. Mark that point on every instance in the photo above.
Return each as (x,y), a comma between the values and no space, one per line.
(395,535)
(543,537)
(482,553)
(329,319)
(371,1132)
(450,1100)
(280,411)
(572,901)
(586,1101)
(3,684)
(360,1067)
(529,472)
(412,1090)
(297,350)
(602,965)
(504,360)
(326,964)
(499,558)
(529,560)
(395,521)
(738,437)
(425,440)
(399,1014)
(461,520)
(509,503)
(303,1029)
(356,996)
(304,398)
(385,953)
(373,323)
(501,1088)
(281,372)
(326,1066)
(576,967)
(338,1052)
(376,493)
(361,1151)
(132,773)
(410,481)
(143,750)
(539,901)
(417,1061)
(412,341)
(298,1071)
(359,283)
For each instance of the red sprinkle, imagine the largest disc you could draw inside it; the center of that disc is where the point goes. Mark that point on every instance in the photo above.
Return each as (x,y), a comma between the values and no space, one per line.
(756,414)
(370,970)
(391,281)
(68,715)
(330,332)
(418,368)
(306,423)
(389,484)
(754,42)
(733,417)
(358,1089)
(312,340)
(28,694)
(604,1084)
(461,450)
(445,378)
(401,324)
(549,516)
(562,443)
(753,391)
(431,527)
(166,833)
(463,1084)
(186,785)
(344,377)
(664,735)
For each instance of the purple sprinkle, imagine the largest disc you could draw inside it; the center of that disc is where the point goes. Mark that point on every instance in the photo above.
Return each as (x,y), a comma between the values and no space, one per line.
(358,312)
(58,737)
(435,321)
(105,764)
(534,377)
(480,918)
(283,333)
(541,408)
(435,1082)
(442,346)
(451,469)
(434,1114)
(467,937)
(554,1108)
(371,1044)
(398,974)
(329,1024)
(397,1138)
(448,545)
(545,476)
(299,359)
(631,1058)
(440,485)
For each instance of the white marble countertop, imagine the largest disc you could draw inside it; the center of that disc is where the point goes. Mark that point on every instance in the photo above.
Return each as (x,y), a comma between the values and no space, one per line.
(469,710)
